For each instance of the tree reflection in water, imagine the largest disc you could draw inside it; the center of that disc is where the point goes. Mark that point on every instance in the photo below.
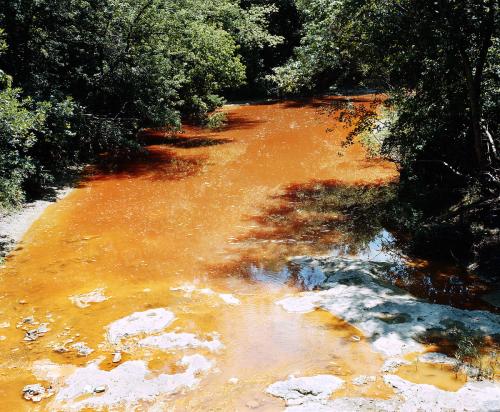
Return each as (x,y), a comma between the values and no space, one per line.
(364,222)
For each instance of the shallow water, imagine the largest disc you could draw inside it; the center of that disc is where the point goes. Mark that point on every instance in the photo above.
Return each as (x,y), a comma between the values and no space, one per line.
(211,210)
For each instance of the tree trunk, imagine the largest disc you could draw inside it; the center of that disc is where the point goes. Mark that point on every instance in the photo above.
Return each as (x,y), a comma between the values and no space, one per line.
(475,106)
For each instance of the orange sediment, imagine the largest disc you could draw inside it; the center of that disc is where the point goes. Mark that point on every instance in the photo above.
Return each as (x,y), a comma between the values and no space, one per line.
(173,217)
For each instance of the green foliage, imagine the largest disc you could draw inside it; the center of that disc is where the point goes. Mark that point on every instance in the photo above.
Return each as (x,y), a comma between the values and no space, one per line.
(149,59)
(320,60)
(216,120)
(19,120)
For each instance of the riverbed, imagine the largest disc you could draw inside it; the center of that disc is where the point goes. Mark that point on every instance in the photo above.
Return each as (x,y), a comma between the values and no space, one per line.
(173,281)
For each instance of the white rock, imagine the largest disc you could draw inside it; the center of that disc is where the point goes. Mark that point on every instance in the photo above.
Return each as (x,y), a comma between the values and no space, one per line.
(348,405)
(36,392)
(393,320)
(82,349)
(186,288)
(393,344)
(411,397)
(473,396)
(233,381)
(124,386)
(60,348)
(174,340)
(296,391)
(363,380)
(34,334)
(149,321)
(117,357)
(305,303)
(189,289)
(438,358)
(84,300)
(229,299)
(392,364)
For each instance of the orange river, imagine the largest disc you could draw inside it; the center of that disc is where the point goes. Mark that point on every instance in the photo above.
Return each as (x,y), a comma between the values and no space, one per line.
(175,218)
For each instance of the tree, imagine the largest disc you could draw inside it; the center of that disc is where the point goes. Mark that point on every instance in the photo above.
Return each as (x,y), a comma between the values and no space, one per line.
(439,61)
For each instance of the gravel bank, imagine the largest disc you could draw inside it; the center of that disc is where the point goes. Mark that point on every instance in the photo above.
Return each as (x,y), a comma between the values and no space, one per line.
(14,225)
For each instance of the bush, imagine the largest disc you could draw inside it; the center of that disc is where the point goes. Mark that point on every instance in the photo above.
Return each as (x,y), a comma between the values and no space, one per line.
(20,120)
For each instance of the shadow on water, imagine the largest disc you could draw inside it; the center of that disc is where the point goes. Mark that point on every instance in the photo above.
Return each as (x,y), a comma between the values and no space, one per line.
(325,102)
(327,218)
(156,164)
(183,142)
(236,121)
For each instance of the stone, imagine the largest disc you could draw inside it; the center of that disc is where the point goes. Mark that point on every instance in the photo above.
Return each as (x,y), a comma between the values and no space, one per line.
(349,405)
(36,392)
(392,364)
(296,391)
(82,349)
(363,380)
(34,334)
(124,387)
(229,299)
(438,358)
(174,340)
(391,319)
(149,321)
(473,396)
(84,300)
(30,320)
(60,348)
(189,289)
(117,357)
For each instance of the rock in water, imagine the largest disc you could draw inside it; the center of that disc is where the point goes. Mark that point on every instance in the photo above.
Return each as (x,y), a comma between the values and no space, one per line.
(297,391)
(36,392)
(229,299)
(82,349)
(34,334)
(175,340)
(363,380)
(84,300)
(152,320)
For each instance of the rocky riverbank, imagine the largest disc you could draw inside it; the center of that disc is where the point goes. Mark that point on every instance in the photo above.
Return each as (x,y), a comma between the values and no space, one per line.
(396,324)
